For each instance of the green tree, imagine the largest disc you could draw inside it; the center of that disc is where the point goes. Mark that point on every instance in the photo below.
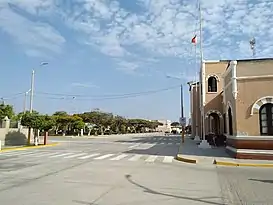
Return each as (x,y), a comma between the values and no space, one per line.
(60,113)
(175,124)
(6,110)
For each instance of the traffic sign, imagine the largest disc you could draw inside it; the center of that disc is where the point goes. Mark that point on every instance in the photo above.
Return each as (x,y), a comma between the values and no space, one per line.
(182,121)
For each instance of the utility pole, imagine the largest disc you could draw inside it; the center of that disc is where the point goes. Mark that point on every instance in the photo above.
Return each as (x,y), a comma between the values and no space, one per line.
(31,101)
(204,143)
(182,114)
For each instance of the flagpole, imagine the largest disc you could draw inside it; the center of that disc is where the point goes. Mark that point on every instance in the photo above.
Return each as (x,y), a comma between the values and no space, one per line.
(196,137)
(204,143)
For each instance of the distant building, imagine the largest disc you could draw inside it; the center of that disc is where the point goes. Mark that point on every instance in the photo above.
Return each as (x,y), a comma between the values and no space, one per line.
(165,127)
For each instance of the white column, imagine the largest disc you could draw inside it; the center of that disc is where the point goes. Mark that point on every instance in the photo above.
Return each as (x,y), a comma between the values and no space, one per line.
(204,143)
(233,66)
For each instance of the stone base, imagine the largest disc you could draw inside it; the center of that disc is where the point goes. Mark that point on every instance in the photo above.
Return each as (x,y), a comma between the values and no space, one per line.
(249,154)
(197,138)
(204,145)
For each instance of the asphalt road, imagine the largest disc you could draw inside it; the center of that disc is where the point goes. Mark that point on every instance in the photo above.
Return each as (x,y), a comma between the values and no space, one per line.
(123,171)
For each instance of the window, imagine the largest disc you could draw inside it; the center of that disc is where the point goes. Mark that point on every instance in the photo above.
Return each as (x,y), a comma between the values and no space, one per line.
(266,119)
(212,84)
(225,121)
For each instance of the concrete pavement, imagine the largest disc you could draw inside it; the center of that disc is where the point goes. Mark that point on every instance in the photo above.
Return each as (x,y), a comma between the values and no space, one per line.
(109,171)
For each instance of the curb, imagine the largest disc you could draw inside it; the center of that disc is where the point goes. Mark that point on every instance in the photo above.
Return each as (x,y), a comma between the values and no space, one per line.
(233,164)
(28,147)
(187,160)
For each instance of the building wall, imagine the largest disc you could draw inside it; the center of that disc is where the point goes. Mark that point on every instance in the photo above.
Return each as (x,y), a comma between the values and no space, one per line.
(214,100)
(254,68)
(196,114)
(13,136)
(255,81)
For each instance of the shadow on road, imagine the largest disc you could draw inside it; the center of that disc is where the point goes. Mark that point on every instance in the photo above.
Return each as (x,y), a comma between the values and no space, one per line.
(153,140)
(190,148)
(160,150)
(151,191)
(262,180)
(161,146)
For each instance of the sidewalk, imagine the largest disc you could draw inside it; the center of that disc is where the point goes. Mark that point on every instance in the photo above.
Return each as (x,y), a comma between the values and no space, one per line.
(190,153)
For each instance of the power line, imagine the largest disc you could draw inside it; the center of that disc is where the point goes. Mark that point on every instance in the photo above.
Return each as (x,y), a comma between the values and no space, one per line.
(12,96)
(102,97)
(107,96)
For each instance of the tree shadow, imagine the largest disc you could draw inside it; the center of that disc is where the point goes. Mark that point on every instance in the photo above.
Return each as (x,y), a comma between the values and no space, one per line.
(15,138)
(262,180)
(160,150)
(148,190)
(153,140)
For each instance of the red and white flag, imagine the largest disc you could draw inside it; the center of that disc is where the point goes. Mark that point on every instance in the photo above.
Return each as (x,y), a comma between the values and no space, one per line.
(193,40)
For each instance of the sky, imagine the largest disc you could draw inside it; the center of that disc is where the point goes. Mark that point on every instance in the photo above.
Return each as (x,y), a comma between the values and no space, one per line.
(115,55)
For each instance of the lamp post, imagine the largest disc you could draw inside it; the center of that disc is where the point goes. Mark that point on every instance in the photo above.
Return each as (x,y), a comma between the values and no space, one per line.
(31,101)
(25,101)
(182,105)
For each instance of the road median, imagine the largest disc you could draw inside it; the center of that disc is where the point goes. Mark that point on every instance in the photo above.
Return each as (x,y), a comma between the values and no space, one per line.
(185,159)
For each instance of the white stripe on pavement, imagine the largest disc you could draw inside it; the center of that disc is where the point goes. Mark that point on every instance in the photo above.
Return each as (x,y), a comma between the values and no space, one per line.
(46,154)
(119,157)
(105,156)
(133,146)
(89,156)
(60,155)
(75,155)
(135,158)
(15,153)
(151,158)
(168,159)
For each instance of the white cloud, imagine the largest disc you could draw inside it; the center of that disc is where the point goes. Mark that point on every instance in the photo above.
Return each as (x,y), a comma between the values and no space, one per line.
(84,85)
(36,37)
(157,28)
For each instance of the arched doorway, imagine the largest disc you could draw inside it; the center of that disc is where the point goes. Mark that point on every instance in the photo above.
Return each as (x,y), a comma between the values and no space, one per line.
(214,123)
(266,119)
(230,127)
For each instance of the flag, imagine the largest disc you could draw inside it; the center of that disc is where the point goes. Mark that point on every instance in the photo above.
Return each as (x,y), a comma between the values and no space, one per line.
(193,40)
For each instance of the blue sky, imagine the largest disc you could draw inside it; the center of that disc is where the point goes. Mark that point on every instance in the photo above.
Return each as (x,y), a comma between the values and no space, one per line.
(110,47)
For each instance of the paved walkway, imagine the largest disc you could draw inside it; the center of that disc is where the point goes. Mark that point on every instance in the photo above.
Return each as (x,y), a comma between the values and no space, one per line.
(189,149)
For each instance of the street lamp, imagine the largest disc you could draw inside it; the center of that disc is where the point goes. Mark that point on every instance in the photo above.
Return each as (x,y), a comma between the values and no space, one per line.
(25,100)
(31,102)
(181,94)
(32,87)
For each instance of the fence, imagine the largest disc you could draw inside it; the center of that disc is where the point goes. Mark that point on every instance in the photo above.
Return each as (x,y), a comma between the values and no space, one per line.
(12,134)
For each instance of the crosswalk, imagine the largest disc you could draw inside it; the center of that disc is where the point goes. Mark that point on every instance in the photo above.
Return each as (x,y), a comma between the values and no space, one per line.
(62,155)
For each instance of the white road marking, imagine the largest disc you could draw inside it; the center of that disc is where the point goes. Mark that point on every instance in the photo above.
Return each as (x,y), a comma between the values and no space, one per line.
(151,158)
(133,146)
(15,153)
(60,155)
(168,159)
(104,156)
(119,157)
(89,156)
(75,155)
(46,154)
(135,157)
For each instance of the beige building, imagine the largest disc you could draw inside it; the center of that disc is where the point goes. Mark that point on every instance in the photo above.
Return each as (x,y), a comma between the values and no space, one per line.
(238,102)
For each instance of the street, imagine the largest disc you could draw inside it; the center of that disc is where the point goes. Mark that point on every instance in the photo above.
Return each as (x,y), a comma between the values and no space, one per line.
(124,170)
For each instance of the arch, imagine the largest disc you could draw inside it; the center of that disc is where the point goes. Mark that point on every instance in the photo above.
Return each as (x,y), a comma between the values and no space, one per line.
(266,119)
(259,103)
(213,111)
(212,84)
(229,106)
(213,75)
